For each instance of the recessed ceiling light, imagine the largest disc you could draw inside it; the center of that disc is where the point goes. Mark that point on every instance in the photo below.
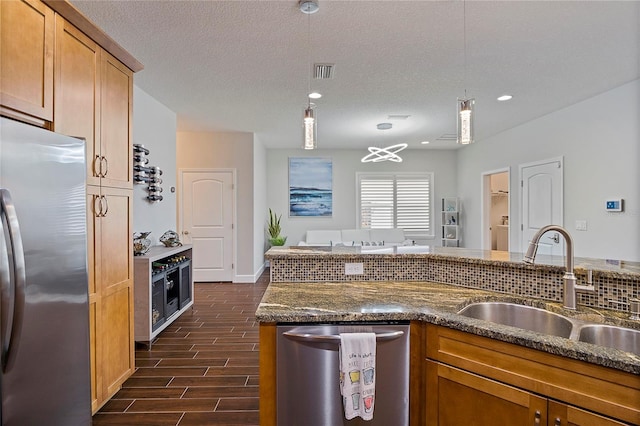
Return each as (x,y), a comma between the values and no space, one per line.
(424,142)
(505,98)
(315,95)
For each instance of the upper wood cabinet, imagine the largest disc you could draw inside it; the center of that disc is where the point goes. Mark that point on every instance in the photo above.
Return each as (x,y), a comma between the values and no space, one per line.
(26,60)
(77,89)
(116,159)
(93,95)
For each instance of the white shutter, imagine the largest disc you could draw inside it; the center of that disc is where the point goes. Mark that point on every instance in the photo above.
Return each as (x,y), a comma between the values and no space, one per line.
(396,201)
(376,202)
(413,204)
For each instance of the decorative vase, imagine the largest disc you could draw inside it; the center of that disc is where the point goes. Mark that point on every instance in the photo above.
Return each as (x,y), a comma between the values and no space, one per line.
(141,243)
(170,239)
(278,241)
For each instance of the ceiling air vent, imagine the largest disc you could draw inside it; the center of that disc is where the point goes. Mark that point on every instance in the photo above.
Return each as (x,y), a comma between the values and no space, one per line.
(448,137)
(323,71)
(398,116)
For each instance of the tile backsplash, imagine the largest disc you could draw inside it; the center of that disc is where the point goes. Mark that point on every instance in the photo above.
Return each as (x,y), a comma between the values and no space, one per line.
(613,291)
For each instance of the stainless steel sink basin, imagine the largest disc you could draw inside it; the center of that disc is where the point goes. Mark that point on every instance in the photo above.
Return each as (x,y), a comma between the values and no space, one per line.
(521,316)
(625,339)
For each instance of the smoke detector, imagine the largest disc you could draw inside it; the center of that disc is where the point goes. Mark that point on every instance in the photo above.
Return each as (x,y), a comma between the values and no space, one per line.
(308,6)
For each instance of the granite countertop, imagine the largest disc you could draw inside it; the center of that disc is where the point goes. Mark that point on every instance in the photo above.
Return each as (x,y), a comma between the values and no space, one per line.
(606,267)
(438,304)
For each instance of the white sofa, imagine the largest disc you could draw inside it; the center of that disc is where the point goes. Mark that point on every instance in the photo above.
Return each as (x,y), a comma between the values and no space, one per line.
(355,237)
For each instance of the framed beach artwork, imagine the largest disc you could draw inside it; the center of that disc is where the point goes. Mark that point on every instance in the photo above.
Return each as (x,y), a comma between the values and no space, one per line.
(310,187)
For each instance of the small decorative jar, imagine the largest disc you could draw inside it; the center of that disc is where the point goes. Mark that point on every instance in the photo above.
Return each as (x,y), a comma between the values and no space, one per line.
(141,243)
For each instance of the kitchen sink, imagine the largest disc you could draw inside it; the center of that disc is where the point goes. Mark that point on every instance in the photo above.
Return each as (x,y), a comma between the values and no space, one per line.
(625,339)
(521,316)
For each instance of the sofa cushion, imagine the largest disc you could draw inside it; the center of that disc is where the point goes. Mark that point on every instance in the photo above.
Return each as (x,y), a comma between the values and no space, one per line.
(355,236)
(389,236)
(323,237)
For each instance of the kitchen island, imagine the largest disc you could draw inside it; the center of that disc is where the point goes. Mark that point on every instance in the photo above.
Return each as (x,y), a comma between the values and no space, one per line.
(594,378)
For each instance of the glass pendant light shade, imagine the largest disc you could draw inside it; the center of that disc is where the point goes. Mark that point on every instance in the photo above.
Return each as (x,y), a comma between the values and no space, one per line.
(465,121)
(309,124)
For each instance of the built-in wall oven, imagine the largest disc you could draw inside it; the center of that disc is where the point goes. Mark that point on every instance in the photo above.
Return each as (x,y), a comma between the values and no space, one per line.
(308,392)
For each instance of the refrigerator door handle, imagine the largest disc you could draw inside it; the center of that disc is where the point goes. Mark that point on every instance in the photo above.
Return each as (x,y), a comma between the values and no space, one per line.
(17,281)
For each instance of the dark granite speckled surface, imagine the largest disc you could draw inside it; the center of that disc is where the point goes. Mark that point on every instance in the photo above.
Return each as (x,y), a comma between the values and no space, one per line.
(437,304)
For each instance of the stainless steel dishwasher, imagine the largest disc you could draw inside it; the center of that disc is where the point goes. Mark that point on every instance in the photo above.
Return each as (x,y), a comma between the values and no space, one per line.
(308,391)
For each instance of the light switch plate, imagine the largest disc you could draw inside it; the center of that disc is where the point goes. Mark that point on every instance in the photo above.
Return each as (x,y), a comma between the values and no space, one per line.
(581,225)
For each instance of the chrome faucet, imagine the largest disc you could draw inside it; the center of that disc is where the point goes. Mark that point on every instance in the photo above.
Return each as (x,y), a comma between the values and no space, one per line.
(570,285)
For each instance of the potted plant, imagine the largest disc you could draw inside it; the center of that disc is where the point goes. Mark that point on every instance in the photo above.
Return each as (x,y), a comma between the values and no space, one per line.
(274,230)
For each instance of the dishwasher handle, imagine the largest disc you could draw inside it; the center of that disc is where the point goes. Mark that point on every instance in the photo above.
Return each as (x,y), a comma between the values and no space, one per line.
(335,338)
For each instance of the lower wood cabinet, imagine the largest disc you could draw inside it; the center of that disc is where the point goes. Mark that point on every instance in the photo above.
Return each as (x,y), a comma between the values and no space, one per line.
(457,397)
(481,381)
(110,290)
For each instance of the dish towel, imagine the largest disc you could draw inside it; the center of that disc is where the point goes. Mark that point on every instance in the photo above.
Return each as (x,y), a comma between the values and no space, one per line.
(358,374)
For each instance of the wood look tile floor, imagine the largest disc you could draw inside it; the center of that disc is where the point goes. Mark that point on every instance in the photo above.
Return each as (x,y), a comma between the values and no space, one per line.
(202,370)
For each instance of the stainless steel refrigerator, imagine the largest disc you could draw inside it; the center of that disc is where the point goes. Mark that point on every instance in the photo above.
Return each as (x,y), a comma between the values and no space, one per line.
(45,374)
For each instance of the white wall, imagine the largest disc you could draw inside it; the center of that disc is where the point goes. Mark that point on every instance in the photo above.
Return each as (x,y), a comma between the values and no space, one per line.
(599,140)
(154,126)
(227,150)
(345,165)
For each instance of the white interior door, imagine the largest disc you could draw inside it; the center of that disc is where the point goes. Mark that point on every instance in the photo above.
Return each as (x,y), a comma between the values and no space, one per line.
(542,204)
(207,215)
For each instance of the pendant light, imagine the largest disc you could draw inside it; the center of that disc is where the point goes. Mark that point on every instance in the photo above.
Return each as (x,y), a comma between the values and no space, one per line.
(464,107)
(389,153)
(309,123)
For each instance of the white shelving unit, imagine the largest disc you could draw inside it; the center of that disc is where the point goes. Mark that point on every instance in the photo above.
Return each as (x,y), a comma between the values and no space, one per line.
(450,222)
(163,289)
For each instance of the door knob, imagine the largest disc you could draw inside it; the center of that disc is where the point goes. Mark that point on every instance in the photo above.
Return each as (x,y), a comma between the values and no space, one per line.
(185,232)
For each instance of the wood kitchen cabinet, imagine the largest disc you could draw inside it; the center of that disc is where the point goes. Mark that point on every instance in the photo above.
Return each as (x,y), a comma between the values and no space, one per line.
(111,290)
(567,415)
(26,60)
(94,101)
(477,380)
(457,397)
(94,94)
(115,164)
(77,85)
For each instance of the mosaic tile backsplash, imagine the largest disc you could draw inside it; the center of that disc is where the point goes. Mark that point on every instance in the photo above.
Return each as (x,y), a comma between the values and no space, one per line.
(613,291)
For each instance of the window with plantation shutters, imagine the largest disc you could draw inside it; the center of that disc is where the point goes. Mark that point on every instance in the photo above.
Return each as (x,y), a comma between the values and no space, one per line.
(396,201)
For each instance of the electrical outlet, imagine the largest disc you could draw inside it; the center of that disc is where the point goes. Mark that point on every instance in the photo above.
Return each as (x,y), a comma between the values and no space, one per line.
(353,269)
(581,225)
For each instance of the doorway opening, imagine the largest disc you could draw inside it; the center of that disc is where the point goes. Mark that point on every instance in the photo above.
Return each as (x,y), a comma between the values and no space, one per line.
(495,208)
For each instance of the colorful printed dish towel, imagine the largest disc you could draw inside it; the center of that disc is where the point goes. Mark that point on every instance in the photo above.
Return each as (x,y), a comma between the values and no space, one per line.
(358,374)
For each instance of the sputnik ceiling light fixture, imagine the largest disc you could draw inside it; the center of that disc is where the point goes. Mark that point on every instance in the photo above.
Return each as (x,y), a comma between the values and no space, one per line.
(464,116)
(390,153)
(309,121)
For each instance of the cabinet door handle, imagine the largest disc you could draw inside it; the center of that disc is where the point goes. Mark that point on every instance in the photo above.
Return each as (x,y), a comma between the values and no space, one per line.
(106,166)
(558,422)
(106,204)
(97,166)
(536,420)
(97,206)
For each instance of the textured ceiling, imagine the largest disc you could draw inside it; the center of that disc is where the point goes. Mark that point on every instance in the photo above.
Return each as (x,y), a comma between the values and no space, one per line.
(244,65)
